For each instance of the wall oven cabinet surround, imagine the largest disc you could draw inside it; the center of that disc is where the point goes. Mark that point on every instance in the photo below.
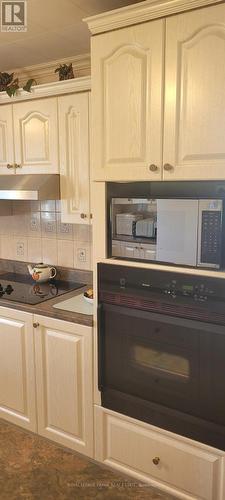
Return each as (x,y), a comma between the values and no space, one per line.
(168,330)
(74,157)
(30,129)
(134,135)
(175,465)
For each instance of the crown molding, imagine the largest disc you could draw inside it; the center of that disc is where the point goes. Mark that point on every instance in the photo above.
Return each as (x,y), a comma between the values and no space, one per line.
(49,89)
(142,12)
(45,73)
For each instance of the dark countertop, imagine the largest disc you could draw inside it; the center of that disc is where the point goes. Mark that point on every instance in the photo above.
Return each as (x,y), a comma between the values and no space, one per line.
(46,308)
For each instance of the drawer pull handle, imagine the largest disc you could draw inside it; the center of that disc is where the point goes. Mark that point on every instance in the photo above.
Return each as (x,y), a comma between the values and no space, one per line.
(153,168)
(36,325)
(9,166)
(156,460)
(168,167)
(83,216)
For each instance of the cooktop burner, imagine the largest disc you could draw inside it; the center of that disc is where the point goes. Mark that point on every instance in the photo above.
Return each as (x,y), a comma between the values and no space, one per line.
(21,288)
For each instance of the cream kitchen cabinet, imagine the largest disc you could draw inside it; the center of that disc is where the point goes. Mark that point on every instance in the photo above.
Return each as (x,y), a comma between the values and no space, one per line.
(36,136)
(17,370)
(64,383)
(6,137)
(29,137)
(174,464)
(74,157)
(194,124)
(135,136)
(127,103)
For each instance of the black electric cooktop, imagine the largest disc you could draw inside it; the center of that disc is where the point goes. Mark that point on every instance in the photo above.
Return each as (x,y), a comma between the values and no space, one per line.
(21,288)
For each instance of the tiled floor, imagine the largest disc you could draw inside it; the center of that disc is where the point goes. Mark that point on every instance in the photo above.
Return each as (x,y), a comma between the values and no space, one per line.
(33,468)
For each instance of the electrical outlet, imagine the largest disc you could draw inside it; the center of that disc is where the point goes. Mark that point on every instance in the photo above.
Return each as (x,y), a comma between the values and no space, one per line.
(81,254)
(20,249)
(35,223)
(64,228)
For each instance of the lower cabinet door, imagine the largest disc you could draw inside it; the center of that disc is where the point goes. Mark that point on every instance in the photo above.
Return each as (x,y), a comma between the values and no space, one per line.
(64,383)
(188,471)
(17,375)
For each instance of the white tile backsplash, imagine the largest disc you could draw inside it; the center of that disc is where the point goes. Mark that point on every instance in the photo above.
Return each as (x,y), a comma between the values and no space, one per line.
(82,232)
(34,224)
(64,231)
(48,206)
(82,247)
(34,249)
(49,251)
(48,224)
(20,248)
(7,247)
(65,253)
(33,231)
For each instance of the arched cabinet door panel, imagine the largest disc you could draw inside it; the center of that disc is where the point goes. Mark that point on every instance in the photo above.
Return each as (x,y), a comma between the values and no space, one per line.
(74,157)
(127,103)
(17,370)
(6,138)
(63,353)
(194,131)
(36,136)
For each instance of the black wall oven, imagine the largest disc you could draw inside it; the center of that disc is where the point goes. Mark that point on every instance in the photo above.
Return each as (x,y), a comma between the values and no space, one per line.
(161,341)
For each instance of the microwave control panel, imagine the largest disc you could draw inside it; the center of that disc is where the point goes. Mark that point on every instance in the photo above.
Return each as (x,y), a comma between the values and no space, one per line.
(211,237)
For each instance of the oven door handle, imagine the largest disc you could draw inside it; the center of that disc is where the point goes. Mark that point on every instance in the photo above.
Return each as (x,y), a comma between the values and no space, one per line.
(101,360)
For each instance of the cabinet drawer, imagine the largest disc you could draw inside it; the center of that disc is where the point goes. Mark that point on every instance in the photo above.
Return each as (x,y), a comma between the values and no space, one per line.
(132,447)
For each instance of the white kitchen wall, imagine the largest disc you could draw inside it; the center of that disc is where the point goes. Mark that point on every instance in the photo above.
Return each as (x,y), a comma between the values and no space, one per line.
(33,231)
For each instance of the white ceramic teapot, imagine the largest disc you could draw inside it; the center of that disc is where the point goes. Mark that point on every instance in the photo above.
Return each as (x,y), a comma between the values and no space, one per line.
(42,272)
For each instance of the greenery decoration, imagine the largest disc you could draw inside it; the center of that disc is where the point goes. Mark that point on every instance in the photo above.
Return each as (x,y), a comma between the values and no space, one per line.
(10,85)
(65,71)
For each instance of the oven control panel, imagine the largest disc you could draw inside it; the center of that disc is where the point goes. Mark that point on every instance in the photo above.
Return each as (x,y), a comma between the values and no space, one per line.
(174,285)
(198,291)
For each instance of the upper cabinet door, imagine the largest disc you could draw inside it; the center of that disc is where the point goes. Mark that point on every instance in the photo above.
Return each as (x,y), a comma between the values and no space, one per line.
(6,139)
(127,103)
(36,136)
(74,157)
(194,131)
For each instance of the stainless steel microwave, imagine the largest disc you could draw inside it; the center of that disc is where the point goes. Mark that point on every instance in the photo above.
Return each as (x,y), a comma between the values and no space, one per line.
(177,231)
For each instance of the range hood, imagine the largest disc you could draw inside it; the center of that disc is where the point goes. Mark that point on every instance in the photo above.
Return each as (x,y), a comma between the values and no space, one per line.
(30,187)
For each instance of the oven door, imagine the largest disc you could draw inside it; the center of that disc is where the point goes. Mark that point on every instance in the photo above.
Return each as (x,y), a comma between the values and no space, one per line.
(152,358)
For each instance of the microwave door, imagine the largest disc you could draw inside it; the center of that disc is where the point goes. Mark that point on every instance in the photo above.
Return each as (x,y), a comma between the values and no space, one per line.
(177,231)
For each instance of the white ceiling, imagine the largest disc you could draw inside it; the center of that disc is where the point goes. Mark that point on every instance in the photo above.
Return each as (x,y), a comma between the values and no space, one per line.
(55,30)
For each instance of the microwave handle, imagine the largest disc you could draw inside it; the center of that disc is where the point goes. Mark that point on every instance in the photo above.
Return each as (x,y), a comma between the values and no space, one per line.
(101,359)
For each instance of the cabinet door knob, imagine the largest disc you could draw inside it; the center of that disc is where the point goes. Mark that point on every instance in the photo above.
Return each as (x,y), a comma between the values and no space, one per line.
(83,216)
(18,165)
(156,460)
(9,165)
(36,325)
(153,168)
(168,167)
